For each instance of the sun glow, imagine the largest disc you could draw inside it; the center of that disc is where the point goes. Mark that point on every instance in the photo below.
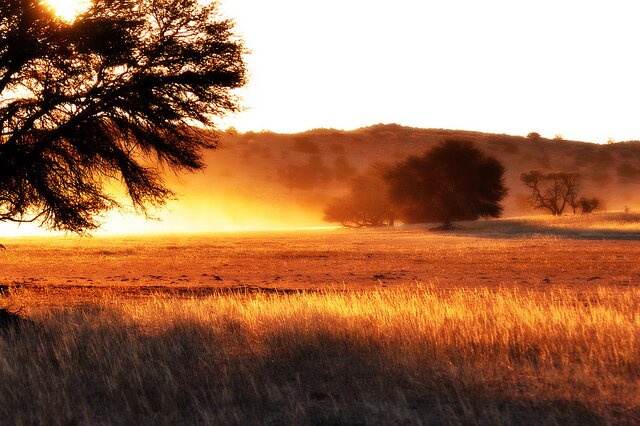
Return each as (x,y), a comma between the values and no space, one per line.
(68,9)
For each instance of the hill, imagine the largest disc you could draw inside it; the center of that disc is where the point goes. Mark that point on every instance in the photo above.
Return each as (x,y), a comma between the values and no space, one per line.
(259,179)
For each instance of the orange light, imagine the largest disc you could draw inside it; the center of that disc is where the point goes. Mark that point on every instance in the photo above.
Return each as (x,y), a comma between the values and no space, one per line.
(68,9)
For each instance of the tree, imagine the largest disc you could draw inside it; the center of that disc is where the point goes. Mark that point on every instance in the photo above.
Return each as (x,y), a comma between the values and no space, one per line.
(588,205)
(367,203)
(130,87)
(553,191)
(305,176)
(453,181)
(534,136)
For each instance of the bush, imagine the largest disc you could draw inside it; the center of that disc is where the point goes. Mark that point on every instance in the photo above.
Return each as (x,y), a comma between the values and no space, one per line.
(534,136)
(588,205)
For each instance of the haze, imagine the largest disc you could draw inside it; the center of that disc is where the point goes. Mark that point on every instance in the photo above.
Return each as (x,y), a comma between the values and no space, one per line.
(567,68)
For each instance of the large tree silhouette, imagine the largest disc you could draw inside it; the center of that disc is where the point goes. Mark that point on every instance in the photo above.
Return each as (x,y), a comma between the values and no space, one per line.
(453,181)
(127,89)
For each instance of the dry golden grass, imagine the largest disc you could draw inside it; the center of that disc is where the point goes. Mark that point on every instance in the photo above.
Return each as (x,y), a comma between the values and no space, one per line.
(570,251)
(419,355)
(515,321)
(598,225)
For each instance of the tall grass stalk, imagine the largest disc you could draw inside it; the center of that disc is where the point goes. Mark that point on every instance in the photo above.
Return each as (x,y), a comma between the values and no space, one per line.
(415,356)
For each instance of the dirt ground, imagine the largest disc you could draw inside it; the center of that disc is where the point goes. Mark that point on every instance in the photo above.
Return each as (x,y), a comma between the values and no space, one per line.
(312,260)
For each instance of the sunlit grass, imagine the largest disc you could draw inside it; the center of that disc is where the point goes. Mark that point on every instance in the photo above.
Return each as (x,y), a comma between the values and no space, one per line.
(599,224)
(597,220)
(415,355)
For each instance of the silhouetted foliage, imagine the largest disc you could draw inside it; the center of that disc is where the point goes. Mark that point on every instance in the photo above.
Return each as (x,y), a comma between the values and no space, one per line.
(534,136)
(342,170)
(367,203)
(588,205)
(296,177)
(305,176)
(553,191)
(453,181)
(112,96)
(305,145)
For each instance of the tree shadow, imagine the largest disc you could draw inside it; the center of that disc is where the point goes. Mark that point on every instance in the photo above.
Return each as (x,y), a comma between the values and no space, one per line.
(217,373)
(526,228)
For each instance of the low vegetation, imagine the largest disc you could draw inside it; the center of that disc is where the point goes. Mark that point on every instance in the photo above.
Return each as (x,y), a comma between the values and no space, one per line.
(334,157)
(422,355)
(506,321)
(451,182)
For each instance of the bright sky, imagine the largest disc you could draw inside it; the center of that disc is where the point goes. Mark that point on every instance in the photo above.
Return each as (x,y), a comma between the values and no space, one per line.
(565,67)
(68,9)
(551,66)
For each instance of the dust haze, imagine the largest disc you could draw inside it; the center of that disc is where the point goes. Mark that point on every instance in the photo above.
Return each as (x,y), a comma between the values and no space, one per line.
(265,180)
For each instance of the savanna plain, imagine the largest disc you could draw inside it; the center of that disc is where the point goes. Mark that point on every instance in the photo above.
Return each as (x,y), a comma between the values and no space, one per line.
(529,320)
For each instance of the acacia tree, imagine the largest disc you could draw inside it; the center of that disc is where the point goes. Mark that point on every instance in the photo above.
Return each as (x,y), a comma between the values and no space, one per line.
(126,89)
(553,191)
(453,181)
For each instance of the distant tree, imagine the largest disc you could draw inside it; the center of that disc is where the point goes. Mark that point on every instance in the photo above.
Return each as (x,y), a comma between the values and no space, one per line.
(305,176)
(553,191)
(366,204)
(573,187)
(627,172)
(296,177)
(127,88)
(558,137)
(534,136)
(452,181)
(305,145)
(588,205)
(342,170)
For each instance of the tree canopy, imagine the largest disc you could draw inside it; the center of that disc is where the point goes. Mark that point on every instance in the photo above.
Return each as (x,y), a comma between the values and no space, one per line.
(126,89)
(453,181)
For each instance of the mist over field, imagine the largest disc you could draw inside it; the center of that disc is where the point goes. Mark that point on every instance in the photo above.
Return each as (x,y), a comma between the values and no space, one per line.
(270,180)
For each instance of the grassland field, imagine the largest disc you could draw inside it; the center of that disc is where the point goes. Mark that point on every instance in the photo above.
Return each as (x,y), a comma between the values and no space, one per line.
(511,321)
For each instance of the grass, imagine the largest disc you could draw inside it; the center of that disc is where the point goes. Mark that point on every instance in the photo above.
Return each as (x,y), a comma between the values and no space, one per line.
(528,321)
(421,355)
(598,225)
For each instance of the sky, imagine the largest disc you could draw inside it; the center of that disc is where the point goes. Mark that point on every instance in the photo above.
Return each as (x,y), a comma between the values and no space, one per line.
(555,67)
(562,67)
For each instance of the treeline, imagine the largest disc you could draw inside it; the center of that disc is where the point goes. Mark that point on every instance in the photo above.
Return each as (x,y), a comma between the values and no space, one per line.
(451,182)
(311,170)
